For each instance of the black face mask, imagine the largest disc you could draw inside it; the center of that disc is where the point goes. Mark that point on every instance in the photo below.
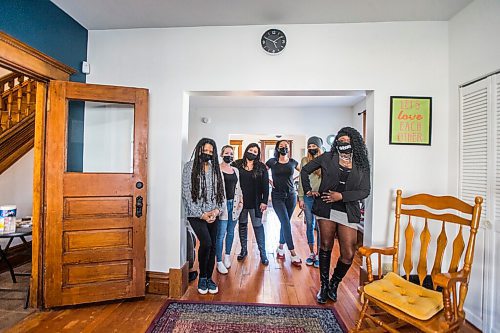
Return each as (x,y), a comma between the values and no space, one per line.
(283,151)
(204,157)
(250,156)
(227,159)
(313,152)
(344,147)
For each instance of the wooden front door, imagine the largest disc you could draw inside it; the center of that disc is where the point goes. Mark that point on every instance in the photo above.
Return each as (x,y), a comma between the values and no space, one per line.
(95,193)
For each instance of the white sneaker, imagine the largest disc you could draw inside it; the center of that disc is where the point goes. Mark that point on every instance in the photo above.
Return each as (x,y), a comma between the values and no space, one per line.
(221,268)
(227,260)
(296,261)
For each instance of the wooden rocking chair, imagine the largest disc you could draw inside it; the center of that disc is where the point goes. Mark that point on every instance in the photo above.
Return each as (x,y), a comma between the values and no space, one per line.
(398,301)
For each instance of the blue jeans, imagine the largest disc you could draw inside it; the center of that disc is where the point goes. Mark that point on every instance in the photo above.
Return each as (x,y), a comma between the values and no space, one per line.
(225,228)
(310,219)
(284,204)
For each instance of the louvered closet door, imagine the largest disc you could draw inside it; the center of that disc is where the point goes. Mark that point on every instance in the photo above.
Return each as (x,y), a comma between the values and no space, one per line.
(475,146)
(494,308)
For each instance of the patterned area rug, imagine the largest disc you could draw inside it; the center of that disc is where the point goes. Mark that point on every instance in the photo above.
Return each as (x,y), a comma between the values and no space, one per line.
(179,316)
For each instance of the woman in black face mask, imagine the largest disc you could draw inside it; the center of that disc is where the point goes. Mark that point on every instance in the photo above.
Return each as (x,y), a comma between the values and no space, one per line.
(284,197)
(345,181)
(233,206)
(254,182)
(203,198)
(314,149)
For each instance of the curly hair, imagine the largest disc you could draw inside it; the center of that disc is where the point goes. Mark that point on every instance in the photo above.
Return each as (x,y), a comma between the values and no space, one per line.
(359,151)
(198,179)
(258,166)
(276,152)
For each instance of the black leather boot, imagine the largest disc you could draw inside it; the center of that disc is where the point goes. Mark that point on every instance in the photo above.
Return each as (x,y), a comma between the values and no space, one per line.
(324,274)
(338,274)
(261,244)
(243,231)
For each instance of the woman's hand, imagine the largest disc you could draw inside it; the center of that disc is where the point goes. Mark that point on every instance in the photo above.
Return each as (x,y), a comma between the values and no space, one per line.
(210,216)
(301,204)
(331,196)
(263,207)
(312,194)
(207,216)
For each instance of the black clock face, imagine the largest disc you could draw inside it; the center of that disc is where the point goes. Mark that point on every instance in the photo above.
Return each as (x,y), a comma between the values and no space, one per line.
(273,41)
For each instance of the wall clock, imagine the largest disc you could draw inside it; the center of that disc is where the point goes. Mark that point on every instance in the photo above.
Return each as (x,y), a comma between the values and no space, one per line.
(273,41)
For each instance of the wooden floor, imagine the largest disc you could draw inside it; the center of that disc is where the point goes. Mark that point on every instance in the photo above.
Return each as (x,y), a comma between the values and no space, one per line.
(278,283)
(13,296)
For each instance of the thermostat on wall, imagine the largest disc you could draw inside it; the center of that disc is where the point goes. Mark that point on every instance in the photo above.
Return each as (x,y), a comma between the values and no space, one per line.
(85,67)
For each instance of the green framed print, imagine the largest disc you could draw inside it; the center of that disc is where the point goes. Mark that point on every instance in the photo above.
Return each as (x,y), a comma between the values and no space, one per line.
(411,120)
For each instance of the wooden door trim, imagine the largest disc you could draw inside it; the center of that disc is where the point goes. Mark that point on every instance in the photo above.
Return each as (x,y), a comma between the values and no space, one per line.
(239,144)
(18,56)
(23,58)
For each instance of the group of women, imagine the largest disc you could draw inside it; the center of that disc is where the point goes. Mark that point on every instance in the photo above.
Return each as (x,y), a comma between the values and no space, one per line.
(217,195)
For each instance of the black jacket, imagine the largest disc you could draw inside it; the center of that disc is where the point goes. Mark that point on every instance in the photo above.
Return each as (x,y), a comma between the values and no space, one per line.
(357,186)
(261,184)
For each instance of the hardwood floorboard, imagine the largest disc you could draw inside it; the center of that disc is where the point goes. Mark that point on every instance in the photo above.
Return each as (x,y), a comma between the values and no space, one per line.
(247,282)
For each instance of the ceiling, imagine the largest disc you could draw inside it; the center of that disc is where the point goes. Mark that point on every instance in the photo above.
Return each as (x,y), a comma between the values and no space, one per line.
(259,102)
(127,14)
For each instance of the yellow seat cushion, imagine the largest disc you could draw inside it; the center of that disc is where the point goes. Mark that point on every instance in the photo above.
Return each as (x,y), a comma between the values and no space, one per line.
(414,300)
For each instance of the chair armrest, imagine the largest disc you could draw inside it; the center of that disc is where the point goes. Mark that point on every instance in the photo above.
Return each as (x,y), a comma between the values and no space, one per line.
(447,280)
(367,251)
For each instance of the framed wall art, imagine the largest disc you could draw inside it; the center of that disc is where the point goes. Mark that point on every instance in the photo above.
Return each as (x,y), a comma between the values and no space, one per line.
(411,120)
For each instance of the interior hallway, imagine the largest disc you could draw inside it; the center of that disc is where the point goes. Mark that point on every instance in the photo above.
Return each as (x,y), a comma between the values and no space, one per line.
(249,281)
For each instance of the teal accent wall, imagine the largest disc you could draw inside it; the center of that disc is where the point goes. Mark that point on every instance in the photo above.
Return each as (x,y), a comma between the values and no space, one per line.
(45,27)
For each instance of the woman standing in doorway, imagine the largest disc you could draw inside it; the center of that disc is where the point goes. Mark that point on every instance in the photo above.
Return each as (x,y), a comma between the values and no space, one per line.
(233,206)
(254,181)
(314,150)
(203,197)
(284,197)
(345,181)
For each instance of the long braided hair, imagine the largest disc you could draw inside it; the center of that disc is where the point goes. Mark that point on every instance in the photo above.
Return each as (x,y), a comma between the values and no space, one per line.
(258,166)
(198,179)
(359,151)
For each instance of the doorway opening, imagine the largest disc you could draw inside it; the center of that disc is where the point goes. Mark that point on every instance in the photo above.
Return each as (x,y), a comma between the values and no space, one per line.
(263,117)
(17,130)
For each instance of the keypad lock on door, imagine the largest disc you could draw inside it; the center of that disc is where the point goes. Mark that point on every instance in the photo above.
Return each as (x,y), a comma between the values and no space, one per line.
(138,206)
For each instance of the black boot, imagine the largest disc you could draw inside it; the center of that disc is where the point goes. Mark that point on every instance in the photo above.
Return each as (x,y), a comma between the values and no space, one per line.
(338,274)
(324,274)
(243,231)
(261,243)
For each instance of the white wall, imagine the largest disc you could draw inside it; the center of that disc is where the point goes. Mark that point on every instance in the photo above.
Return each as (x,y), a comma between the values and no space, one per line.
(16,187)
(474,51)
(265,121)
(401,58)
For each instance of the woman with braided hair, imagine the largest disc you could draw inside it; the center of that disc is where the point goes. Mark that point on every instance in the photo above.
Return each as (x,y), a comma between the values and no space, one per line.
(203,198)
(345,181)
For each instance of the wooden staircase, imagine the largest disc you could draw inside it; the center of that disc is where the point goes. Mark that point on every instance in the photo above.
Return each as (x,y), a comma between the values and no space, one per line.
(17,118)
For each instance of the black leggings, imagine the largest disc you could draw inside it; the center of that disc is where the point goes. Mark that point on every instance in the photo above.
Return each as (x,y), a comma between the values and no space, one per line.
(348,238)
(207,235)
